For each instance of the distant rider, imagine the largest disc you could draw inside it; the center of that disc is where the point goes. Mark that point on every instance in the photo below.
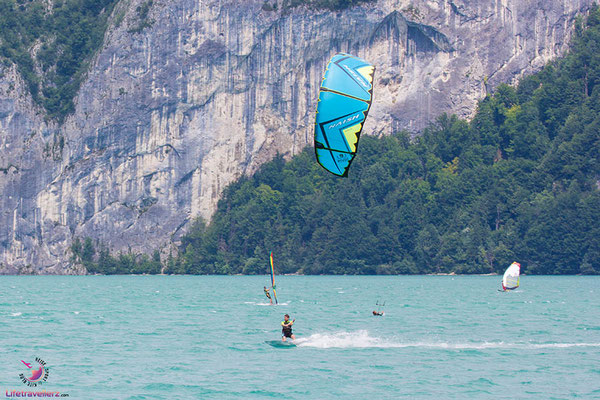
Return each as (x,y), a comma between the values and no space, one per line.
(376,313)
(268,294)
(286,328)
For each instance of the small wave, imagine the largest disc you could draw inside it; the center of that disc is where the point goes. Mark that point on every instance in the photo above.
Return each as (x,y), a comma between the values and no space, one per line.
(16,314)
(265,304)
(362,339)
(253,303)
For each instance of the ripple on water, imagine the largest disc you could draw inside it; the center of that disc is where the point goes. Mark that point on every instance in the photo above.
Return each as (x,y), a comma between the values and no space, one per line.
(128,340)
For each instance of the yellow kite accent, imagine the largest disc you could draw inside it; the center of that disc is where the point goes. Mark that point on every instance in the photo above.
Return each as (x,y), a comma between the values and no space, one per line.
(367,72)
(351,137)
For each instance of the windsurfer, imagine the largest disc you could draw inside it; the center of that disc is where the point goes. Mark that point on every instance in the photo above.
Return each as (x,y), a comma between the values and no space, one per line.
(286,328)
(510,280)
(268,294)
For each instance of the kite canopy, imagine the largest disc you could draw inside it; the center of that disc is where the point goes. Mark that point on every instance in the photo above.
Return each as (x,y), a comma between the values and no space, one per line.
(344,102)
(510,280)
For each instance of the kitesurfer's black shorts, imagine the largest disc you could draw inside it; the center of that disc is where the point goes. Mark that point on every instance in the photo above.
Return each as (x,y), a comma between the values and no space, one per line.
(287,333)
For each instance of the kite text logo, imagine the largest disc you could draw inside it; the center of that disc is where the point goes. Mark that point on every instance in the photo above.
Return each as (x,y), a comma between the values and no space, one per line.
(356,77)
(349,119)
(39,373)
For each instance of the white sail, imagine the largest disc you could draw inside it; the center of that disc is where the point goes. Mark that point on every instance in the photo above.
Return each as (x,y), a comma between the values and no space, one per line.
(510,280)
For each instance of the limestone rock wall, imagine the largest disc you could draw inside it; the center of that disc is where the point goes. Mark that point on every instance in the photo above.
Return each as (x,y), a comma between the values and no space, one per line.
(213,88)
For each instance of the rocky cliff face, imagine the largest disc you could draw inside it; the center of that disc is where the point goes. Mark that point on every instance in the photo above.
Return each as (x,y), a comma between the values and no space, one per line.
(213,88)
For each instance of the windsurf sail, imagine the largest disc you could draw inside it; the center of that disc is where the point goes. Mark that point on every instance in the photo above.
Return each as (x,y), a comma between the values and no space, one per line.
(344,101)
(273,279)
(510,280)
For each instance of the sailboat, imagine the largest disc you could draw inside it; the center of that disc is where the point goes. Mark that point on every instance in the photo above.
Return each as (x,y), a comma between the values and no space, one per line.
(273,279)
(510,280)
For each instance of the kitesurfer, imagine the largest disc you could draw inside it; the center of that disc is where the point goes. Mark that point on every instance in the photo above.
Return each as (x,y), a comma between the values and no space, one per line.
(268,294)
(286,328)
(379,306)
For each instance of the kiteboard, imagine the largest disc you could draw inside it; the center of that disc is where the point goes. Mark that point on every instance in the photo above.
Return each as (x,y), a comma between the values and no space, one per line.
(280,343)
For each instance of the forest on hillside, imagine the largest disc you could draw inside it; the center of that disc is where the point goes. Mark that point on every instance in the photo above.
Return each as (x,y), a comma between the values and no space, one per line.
(519,182)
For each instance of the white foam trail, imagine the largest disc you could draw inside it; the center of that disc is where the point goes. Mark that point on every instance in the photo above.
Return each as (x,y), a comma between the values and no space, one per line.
(362,339)
(359,339)
(265,304)
(16,314)
(562,345)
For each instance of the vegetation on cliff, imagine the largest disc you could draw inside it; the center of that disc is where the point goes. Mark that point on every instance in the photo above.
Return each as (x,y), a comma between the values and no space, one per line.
(52,44)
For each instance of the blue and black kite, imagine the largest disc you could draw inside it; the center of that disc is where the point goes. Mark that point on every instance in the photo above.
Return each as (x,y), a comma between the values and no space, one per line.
(344,102)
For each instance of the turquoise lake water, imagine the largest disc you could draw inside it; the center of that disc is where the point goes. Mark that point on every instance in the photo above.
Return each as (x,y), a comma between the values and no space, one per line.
(203,337)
